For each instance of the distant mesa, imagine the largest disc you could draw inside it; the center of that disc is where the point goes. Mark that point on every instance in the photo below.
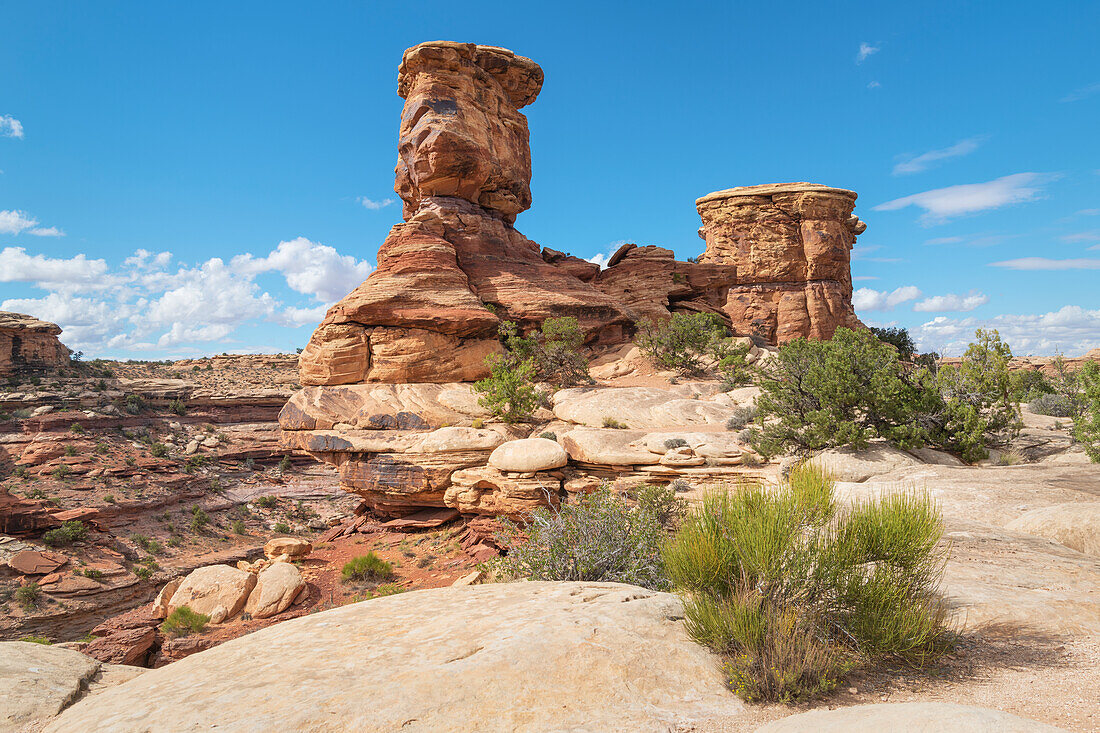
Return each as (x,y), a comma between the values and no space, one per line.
(28,345)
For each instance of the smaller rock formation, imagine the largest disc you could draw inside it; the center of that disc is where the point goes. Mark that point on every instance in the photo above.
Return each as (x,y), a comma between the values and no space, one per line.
(29,345)
(791,244)
(286,549)
(277,587)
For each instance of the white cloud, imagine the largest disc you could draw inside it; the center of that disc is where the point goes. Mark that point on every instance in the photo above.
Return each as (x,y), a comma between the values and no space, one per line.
(1072,330)
(866,299)
(1078,94)
(310,268)
(17,222)
(602,258)
(1092,236)
(372,204)
(874,85)
(1089,212)
(295,317)
(942,204)
(924,161)
(944,240)
(10,127)
(1045,263)
(864,277)
(952,302)
(17,266)
(865,51)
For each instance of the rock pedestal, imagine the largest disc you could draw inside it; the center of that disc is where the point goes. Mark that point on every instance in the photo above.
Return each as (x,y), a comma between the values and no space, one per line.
(791,244)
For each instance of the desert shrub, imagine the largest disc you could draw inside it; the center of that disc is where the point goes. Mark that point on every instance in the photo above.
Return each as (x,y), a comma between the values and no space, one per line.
(70,450)
(281,528)
(37,640)
(77,429)
(681,342)
(675,443)
(178,406)
(199,519)
(557,355)
(795,592)
(732,360)
(61,471)
(267,502)
(102,448)
(237,526)
(1086,427)
(477,423)
(509,391)
(852,388)
(610,422)
(366,567)
(1054,405)
(148,544)
(184,621)
(1026,385)
(598,537)
(97,575)
(899,338)
(549,435)
(158,450)
(28,596)
(68,533)
(284,464)
(134,404)
(741,417)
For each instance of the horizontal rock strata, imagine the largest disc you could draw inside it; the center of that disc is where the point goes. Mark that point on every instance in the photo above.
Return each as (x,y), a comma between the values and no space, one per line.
(28,344)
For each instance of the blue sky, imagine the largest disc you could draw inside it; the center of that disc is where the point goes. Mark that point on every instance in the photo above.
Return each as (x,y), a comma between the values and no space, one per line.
(181,179)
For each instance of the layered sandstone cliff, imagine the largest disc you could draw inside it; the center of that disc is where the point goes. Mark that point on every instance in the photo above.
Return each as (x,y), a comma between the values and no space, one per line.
(791,244)
(28,344)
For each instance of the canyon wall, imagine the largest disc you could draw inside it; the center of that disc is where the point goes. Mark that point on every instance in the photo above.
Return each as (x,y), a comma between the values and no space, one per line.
(28,345)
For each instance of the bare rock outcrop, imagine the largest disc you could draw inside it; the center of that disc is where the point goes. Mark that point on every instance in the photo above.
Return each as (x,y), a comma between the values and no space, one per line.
(28,344)
(791,244)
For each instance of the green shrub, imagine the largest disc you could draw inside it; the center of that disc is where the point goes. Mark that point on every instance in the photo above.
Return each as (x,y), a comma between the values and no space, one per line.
(134,404)
(899,338)
(70,450)
(28,596)
(366,567)
(147,543)
(1026,385)
(184,621)
(37,640)
(284,464)
(102,448)
(61,471)
(795,592)
(97,575)
(158,450)
(1086,427)
(238,527)
(1054,405)
(178,406)
(199,519)
(598,537)
(741,416)
(77,429)
(68,533)
(282,528)
(554,350)
(610,422)
(509,391)
(681,342)
(673,443)
(267,502)
(549,435)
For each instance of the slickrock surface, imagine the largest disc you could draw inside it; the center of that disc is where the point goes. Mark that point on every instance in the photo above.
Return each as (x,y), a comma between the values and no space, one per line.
(910,716)
(531,656)
(28,344)
(791,245)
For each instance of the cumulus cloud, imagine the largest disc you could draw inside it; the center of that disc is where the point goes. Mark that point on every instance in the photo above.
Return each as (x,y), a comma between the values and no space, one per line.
(10,127)
(1045,263)
(867,299)
(310,268)
(942,204)
(952,302)
(17,222)
(602,258)
(152,303)
(866,50)
(919,163)
(372,204)
(1072,330)
(1083,93)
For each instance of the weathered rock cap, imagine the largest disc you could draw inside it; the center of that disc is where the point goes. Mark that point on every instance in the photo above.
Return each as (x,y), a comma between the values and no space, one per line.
(770,189)
(520,77)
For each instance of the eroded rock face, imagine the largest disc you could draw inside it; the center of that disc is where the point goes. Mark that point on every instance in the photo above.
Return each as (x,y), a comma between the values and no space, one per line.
(791,244)
(28,344)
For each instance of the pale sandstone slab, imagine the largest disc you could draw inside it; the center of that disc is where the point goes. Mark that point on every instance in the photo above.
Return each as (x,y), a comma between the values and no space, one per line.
(521,656)
(1075,525)
(913,717)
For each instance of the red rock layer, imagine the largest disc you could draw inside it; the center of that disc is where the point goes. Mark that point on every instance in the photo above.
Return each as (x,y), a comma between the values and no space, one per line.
(28,344)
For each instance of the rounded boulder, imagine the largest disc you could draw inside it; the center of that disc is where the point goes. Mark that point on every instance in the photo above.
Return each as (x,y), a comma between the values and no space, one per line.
(529,454)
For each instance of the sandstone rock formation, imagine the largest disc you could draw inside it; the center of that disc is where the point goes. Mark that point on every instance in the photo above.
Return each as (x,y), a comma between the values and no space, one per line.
(28,344)
(530,656)
(791,244)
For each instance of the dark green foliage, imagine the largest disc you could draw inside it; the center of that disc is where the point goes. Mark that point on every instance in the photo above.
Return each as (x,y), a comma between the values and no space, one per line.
(178,406)
(598,537)
(184,621)
(549,435)
(675,443)
(68,533)
(267,502)
(899,338)
(852,388)
(733,367)
(795,591)
(158,450)
(681,342)
(238,527)
(366,567)
(77,429)
(1086,427)
(610,422)
(148,544)
(28,596)
(199,519)
(134,404)
(509,391)
(554,350)
(282,528)
(284,464)
(1027,385)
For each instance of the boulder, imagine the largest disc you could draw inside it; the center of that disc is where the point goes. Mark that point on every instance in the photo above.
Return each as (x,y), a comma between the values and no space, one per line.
(219,591)
(529,454)
(608,447)
(515,656)
(291,548)
(164,597)
(277,586)
(124,646)
(907,716)
(1075,525)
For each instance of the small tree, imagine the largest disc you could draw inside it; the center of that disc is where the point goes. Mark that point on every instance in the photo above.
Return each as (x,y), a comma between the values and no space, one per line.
(681,342)
(1086,426)
(509,391)
(899,338)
